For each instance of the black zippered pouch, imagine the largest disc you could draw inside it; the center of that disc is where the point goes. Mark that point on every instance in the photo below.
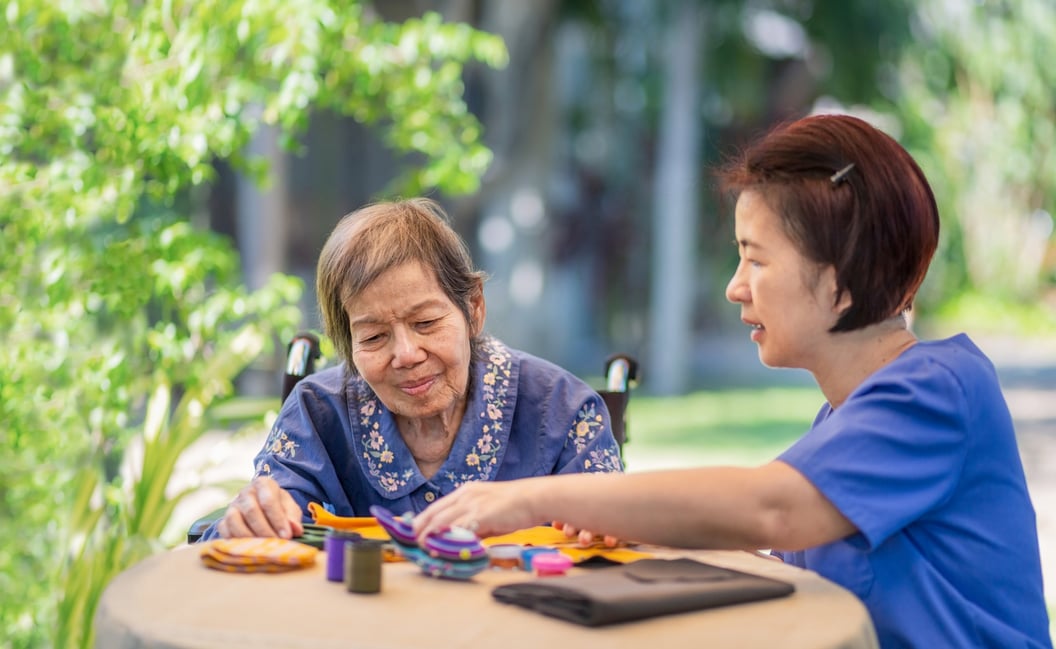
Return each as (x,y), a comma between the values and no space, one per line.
(643,589)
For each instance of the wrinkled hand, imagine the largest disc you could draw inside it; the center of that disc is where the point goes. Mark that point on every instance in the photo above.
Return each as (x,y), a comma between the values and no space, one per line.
(262,508)
(585,537)
(485,508)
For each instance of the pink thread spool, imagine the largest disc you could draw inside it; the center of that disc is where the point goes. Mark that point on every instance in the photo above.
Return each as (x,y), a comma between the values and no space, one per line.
(552,564)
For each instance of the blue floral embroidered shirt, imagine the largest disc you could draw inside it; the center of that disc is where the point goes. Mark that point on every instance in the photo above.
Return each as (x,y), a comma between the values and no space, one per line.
(335,443)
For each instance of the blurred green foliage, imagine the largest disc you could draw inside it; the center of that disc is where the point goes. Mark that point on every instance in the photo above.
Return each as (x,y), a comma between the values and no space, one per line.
(123,324)
(977,102)
(996,314)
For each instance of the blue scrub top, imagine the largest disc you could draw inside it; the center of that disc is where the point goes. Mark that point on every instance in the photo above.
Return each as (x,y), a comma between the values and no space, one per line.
(922,458)
(335,443)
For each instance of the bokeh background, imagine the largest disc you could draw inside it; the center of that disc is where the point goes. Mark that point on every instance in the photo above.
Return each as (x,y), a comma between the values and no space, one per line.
(597,218)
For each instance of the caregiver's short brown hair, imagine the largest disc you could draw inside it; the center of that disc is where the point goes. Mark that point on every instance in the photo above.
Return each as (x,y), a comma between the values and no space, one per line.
(875,222)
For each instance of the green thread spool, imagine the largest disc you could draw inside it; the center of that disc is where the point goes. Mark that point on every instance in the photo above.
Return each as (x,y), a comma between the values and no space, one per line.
(363,566)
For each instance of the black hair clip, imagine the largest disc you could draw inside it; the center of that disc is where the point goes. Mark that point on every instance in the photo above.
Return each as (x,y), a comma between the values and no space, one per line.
(840,175)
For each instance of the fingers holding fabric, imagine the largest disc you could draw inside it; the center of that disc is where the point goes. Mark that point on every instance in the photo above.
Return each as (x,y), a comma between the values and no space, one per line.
(585,538)
(486,508)
(262,508)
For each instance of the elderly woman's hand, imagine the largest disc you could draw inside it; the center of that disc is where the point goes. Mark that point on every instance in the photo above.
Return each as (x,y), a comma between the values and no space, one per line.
(262,508)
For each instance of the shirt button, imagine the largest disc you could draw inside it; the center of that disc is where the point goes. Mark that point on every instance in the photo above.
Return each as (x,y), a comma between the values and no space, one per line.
(429,496)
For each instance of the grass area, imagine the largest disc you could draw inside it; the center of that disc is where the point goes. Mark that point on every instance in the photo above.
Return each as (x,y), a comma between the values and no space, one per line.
(741,425)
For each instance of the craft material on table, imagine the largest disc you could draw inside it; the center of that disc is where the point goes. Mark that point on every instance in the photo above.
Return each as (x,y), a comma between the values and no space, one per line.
(257,554)
(455,553)
(538,536)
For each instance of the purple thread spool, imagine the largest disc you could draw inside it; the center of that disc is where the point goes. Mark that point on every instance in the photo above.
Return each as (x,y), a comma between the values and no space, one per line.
(334,546)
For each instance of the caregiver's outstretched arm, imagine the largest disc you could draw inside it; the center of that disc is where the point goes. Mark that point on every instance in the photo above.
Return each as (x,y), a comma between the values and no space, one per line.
(770,506)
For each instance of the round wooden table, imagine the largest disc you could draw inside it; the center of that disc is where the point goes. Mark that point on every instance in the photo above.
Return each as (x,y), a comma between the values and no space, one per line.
(172,600)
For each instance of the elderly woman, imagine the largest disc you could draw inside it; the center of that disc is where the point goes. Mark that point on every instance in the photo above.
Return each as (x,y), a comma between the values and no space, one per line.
(908,489)
(424,401)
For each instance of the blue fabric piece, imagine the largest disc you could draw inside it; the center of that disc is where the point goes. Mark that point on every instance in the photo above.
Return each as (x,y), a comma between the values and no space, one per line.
(922,458)
(335,443)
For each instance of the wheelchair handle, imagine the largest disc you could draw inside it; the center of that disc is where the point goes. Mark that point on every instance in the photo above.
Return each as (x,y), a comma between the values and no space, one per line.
(301,355)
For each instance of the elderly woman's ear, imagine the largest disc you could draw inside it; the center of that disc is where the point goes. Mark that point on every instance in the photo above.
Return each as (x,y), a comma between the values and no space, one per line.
(477,310)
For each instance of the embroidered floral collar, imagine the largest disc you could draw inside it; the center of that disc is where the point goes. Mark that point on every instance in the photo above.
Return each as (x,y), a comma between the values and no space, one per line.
(478,450)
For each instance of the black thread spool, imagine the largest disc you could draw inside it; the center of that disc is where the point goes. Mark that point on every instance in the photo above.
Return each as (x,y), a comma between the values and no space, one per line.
(363,566)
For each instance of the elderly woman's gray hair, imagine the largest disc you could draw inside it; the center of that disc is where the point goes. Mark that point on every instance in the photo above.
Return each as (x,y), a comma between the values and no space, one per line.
(381,236)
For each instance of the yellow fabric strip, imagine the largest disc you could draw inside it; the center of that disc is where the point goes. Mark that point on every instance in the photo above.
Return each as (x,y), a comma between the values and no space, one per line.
(545,536)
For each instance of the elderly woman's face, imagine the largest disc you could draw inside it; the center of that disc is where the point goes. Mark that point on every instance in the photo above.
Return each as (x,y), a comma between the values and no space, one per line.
(411,343)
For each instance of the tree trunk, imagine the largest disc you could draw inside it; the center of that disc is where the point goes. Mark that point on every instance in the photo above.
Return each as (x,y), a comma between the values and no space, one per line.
(675,208)
(262,219)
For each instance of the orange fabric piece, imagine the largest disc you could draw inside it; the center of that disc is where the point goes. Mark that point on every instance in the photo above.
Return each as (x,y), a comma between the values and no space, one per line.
(365,526)
(219,565)
(257,554)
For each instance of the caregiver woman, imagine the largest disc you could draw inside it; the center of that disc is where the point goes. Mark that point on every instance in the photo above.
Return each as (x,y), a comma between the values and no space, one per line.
(908,489)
